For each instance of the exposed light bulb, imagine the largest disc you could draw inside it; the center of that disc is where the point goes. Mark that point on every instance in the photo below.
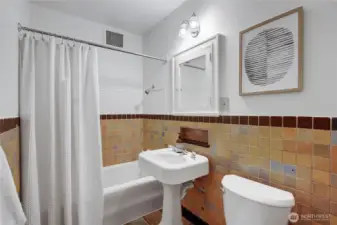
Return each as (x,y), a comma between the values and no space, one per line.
(183,29)
(194,25)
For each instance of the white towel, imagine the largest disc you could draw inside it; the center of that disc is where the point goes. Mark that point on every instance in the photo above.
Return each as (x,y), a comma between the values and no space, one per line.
(11,212)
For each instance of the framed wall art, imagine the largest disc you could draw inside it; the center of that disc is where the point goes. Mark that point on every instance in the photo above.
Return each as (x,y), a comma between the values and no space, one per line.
(271,55)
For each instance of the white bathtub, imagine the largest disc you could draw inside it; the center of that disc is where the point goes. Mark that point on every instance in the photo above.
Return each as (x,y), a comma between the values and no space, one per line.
(128,195)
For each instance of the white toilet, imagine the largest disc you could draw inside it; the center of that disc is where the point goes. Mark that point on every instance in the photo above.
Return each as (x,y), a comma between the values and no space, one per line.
(253,203)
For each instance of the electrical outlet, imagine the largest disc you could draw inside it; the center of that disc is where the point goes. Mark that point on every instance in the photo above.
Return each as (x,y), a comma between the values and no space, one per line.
(224,104)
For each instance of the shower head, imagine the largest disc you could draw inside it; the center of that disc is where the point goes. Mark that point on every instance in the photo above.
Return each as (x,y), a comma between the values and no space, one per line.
(149,90)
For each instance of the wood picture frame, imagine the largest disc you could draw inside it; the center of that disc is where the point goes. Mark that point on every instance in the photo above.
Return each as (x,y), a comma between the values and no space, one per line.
(298,52)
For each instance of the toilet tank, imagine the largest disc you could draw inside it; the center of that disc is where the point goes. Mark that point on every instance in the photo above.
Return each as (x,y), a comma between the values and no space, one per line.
(253,203)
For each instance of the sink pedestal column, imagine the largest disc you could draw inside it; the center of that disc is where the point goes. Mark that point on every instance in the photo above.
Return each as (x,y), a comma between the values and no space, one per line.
(171,205)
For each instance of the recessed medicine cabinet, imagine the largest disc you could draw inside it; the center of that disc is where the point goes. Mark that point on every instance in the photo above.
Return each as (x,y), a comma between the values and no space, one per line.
(195,79)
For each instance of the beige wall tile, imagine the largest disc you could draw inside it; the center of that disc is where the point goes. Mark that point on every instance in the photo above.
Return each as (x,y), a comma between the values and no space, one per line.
(289,133)
(117,147)
(277,178)
(264,143)
(333,208)
(307,149)
(253,140)
(304,147)
(264,132)
(108,158)
(320,163)
(322,150)
(305,134)
(333,192)
(322,137)
(242,149)
(303,185)
(222,128)
(253,131)
(235,129)
(10,144)
(276,155)
(321,190)
(304,173)
(321,177)
(289,158)
(320,203)
(290,145)
(334,159)
(244,139)
(276,132)
(303,198)
(333,220)
(276,144)
(290,182)
(304,160)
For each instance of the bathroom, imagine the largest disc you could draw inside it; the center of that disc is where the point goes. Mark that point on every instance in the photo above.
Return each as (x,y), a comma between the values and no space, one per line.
(277,129)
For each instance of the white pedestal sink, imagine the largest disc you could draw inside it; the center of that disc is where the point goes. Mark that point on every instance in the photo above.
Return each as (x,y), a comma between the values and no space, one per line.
(172,170)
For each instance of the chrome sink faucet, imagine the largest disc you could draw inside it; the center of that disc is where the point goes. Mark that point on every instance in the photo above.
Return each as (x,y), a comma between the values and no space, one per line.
(181,151)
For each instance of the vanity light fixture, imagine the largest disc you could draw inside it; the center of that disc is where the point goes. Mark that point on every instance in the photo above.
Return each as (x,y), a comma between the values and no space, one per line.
(191,26)
(194,25)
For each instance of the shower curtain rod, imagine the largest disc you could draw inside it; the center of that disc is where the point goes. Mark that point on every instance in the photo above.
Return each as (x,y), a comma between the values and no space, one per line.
(20,27)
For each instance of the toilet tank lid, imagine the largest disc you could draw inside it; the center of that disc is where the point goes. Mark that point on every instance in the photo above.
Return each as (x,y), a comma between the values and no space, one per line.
(257,192)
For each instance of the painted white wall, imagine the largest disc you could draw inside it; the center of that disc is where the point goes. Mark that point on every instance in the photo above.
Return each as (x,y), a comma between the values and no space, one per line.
(120,75)
(11,12)
(229,18)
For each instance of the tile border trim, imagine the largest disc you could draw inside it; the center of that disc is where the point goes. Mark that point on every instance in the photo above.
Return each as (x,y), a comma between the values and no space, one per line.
(319,123)
(7,124)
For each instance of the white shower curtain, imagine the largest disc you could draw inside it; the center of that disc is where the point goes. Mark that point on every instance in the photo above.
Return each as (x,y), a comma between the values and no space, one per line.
(60,132)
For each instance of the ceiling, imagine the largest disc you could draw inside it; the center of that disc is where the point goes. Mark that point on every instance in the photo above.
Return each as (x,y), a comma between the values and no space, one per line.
(135,16)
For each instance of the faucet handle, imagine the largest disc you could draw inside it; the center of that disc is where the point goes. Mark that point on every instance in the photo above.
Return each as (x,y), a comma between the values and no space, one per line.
(193,155)
(171,146)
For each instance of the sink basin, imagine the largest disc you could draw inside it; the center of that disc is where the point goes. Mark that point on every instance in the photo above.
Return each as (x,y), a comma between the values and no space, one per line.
(170,158)
(172,170)
(170,167)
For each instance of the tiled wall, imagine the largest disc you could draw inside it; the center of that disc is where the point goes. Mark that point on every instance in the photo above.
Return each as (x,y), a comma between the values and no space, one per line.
(122,138)
(297,154)
(10,142)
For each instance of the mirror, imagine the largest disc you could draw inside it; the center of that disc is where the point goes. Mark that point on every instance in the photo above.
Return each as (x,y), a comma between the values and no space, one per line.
(194,83)
(195,80)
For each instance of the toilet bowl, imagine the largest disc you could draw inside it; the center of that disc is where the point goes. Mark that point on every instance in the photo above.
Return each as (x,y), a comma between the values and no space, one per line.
(253,203)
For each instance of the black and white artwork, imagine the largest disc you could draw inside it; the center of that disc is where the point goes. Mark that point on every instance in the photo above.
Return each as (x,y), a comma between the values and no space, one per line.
(270,56)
